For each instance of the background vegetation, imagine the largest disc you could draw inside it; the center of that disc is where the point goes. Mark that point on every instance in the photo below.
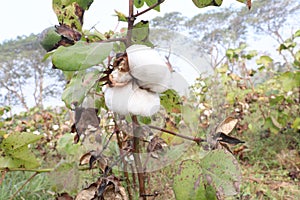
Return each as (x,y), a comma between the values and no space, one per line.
(262,89)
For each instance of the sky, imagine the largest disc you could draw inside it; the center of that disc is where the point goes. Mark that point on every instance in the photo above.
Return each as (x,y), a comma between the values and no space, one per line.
(23,17)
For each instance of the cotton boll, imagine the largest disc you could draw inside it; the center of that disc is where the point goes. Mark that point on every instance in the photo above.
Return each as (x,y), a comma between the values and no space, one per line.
(148,68)
(116,98)
(130,99)
(143,103)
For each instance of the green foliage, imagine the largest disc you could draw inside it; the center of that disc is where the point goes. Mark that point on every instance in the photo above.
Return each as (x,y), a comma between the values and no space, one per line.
(140,33)
(121,16)
(140,3)
(16,153)
(205,3)
(222,171)
(188,182)
(80,56)
(36,189)
(71,12)
(50,39)
(79,87)
(218,173)
(152,2)
(171,101)
(64,173)
(110,144)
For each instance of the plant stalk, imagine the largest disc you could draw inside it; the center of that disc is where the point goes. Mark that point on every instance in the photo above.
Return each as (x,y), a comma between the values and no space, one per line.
(137,159)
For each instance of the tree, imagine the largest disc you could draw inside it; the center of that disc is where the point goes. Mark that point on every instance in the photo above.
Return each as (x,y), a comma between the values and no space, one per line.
(24,74)
(219,30)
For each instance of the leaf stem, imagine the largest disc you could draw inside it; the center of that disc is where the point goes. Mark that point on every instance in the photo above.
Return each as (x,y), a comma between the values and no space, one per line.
(195,139)
(122,39)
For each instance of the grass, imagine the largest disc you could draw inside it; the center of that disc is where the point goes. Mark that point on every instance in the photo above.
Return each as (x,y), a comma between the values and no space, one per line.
(36,189)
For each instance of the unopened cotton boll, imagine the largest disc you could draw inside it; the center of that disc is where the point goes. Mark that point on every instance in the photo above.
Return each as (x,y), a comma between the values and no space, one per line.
(147,66)
(130,99)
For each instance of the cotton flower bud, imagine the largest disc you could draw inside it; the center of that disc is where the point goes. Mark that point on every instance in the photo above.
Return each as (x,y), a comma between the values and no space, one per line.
(148,68)
(130,99)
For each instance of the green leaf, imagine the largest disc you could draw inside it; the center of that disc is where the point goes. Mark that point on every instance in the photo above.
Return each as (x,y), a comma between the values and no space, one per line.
(138,3)
(66,146)
(297,58)
(65,178)
(144,120)
(297,33)
(49,38)
(188,183)
(4,110)
(265,61)
(296,124)
(269,125)
(70,12)
(140,33)
(221,170)
(16,153)
(277,100)
(79,87)
(289,43)
(289,80)
(152,2)
(121,16)
(85,4)
(205,3)
(80,56)
(223,69)
(171,101)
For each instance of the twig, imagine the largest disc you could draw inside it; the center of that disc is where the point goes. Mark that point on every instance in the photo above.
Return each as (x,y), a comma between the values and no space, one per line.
(149,8)
(195,139)
(113,40)
(3,173)
(107,142)
(26,182)
(45,170)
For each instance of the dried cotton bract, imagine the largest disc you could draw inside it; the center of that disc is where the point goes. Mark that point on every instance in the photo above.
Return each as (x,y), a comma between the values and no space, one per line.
(134,89)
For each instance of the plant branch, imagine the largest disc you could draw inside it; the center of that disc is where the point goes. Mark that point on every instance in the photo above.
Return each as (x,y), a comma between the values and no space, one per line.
(149,8)
(130,23)
(45,170)
(195,139)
